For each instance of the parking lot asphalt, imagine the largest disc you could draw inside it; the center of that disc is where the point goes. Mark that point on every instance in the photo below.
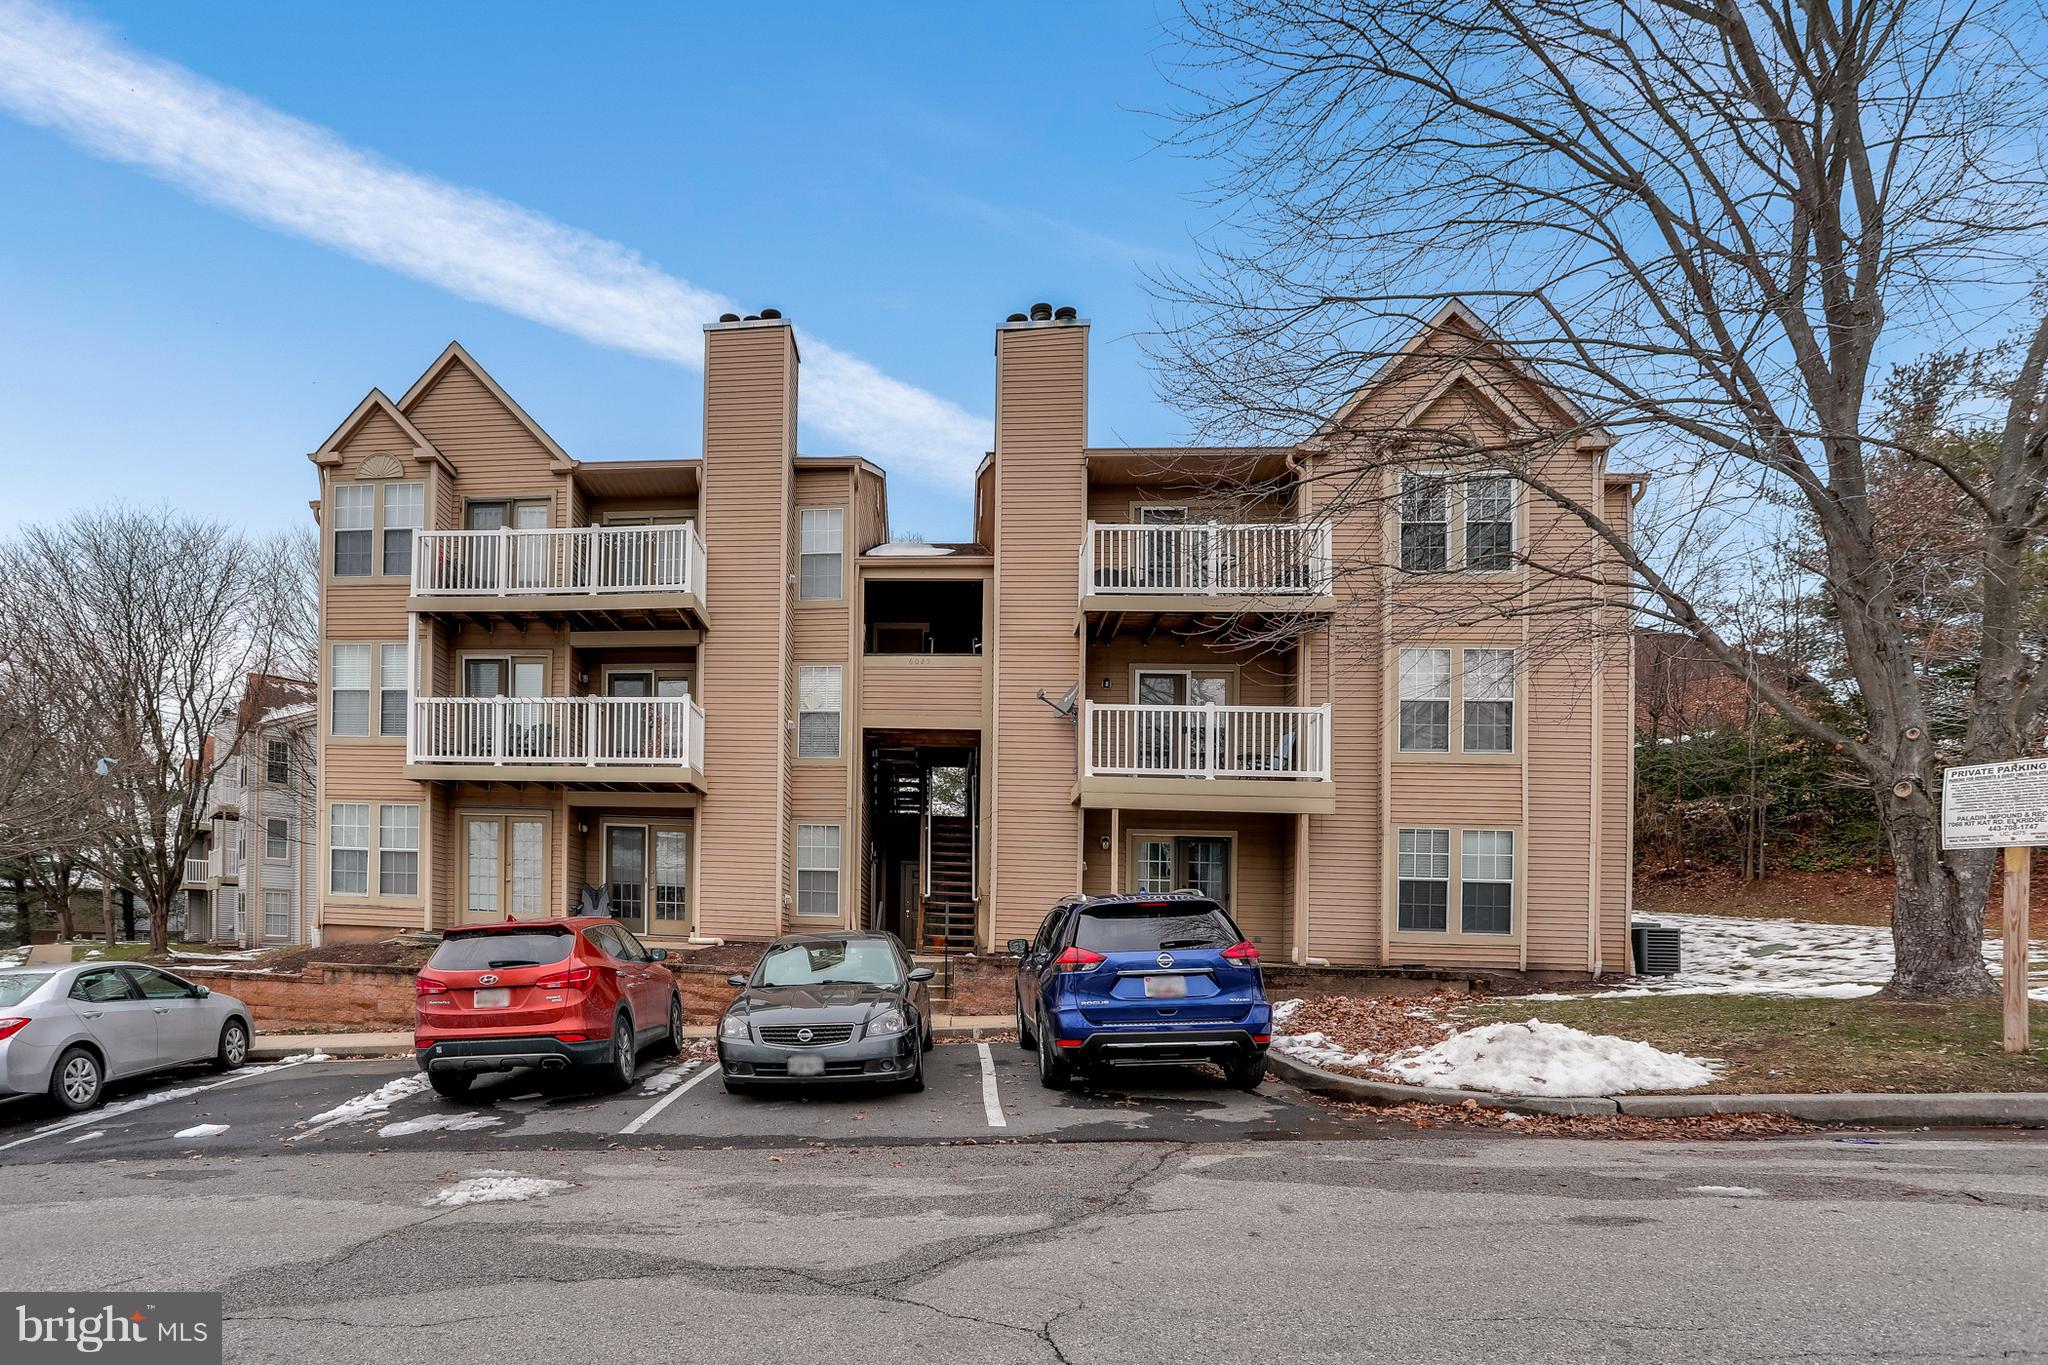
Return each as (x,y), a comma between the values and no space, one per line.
(975,1093)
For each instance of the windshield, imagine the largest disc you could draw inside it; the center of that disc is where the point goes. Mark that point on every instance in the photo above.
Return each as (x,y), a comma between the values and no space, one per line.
(867,961)
(1147,929)
(16,987)
(505,948)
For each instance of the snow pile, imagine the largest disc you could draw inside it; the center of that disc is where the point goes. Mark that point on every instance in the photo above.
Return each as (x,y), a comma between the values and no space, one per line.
(226,955)
(373,1105)
(1320,1049)
(433,1123)
(494,1187)
(1536,1058)
(1733,1191)
(202,1130)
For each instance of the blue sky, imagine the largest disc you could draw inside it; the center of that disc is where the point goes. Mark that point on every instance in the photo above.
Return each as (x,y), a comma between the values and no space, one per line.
(895,178)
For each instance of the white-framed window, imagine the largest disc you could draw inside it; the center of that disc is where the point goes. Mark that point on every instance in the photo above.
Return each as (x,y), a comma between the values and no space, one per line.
(355,521)
(1425,523)
(1490,523)
(817,871)
(277,761)
(1424,881)
(348,848)
(818,698)
(821,553)
(277,914)
(1486,881)
(391,689)
(405,511)
(277,839)
(1489,686)
(1425,701)
(349,682)
(398,850)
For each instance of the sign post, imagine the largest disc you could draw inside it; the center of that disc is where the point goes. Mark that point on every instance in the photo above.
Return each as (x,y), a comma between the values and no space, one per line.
(2003,805)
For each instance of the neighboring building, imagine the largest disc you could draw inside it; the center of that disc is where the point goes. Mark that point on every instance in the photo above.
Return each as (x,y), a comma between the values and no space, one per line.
(1682,689)
(719,690)
(252,879)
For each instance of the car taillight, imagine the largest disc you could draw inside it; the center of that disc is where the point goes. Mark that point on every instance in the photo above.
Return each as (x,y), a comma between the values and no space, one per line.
(576,976)
(1077,960)
(572,1037)
(427,985)
(10,1027)
(1245,954)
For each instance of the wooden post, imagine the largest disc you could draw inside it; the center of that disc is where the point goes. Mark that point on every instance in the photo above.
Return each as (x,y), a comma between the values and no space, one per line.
(2018,900)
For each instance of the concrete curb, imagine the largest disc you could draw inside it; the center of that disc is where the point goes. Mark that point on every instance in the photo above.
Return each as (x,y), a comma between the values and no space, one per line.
(1936,1110)
(271,1047)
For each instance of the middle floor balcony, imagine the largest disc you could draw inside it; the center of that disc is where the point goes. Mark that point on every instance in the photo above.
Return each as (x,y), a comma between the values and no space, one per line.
(577,741)
(1208,757)
(1171,571)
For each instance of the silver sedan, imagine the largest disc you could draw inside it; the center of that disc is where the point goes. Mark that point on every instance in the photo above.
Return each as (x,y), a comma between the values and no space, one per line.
(67,1031)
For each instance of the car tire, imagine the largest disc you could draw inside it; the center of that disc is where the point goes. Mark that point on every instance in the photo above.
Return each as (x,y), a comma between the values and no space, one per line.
(924,1043)
(1247,1074)
(1053,1071)
(1025,1038)
(624,1061)
(915,1084)
(234,1046)
(672,1041)
(77,1081)
(451,1084)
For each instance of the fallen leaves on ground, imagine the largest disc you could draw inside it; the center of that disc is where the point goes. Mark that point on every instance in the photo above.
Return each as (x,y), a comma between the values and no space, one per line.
(1471,1114)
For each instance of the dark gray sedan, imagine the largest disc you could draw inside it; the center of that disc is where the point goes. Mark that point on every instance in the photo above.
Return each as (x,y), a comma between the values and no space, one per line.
(66,1031)
(832,1007)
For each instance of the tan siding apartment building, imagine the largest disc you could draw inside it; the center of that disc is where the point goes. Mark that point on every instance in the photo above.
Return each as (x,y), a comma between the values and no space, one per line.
(717,694)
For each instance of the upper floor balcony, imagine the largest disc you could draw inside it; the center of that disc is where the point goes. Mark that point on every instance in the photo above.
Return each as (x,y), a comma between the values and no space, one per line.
(1211,757)
(1205,568)
(608,575)
(584,741)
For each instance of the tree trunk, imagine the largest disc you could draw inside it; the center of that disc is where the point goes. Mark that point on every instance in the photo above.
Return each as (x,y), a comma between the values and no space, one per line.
(1937,911)
(159,925)
(107,912)
(128,913)
(60,910)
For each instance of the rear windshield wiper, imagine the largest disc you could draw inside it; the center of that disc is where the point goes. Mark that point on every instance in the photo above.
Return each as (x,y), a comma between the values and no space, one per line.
(1189,943)
(514,962)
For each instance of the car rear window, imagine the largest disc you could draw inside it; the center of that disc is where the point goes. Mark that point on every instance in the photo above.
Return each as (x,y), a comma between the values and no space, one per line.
(1146,929)
(16,987)
(501,948)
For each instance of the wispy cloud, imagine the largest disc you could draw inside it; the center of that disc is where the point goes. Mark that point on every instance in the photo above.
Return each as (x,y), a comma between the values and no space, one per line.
(229,149)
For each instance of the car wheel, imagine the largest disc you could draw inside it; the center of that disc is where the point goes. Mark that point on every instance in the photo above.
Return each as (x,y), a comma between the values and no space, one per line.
(1053,1071)
(625,1058)
(924,1044)
(1024,1035)
(77,1080)
(672,1042)
(916,1082)
(1247,1074)
(451,1084)
(234,1046)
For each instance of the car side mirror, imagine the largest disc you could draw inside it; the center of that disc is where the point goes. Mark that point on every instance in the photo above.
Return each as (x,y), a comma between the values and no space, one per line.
(920,973)
(1020,946)
(735,980)
(657,954)
(204,991)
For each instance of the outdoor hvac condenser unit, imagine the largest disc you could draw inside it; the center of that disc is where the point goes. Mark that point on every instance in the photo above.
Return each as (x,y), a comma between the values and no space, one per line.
(1656,948)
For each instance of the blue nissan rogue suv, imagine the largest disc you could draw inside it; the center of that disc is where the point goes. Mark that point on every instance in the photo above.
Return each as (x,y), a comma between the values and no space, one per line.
(1139,979)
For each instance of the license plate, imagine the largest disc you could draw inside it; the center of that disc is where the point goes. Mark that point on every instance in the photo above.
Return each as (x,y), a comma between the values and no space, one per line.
(1166,987)
(491,1000)
(803,1065)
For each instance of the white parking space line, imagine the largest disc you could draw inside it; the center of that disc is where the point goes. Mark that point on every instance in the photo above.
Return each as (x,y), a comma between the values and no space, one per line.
(123,1107)
(647,1115)
(991,1102)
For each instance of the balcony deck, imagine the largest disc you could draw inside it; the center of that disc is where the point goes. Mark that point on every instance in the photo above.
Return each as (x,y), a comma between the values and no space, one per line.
(1186,570)
(595,577)
(579,741)
(1221,758)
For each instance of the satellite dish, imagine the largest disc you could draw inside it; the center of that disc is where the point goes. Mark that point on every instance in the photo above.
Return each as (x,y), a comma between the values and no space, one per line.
(1065,705)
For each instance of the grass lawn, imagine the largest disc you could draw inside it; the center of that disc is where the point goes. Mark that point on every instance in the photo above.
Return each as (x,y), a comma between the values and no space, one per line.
(119,952)
(1770,1044)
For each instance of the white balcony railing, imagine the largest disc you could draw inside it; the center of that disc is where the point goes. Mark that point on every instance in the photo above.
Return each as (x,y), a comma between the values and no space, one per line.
(584,732)
(195,868)
(1251,559)
(1206,741)
(581,559)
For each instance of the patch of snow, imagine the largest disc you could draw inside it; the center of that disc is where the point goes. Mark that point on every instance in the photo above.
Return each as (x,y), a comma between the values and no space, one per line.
(125,1107)
(1736,1191)
(907,548)
(1319,1049)
(223,956)
(1538,1058)
(202,1130)
(95,953)
(434,1123)
(661,1082)
(373,1105)
(314,1056)
(85,1137)
(13,957)
(494,1187)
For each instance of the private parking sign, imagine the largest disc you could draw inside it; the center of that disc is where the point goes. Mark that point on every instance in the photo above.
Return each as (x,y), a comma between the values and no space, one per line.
(1995,805)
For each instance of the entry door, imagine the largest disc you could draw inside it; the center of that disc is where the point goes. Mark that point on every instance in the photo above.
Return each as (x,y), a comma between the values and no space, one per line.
(648,886)
(1194,862)
(1165,551)
(505,867)
(1162,737)
(1153,863)
(625,873)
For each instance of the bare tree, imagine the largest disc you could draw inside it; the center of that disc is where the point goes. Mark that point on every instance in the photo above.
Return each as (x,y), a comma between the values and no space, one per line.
(1708,226)
(141,628)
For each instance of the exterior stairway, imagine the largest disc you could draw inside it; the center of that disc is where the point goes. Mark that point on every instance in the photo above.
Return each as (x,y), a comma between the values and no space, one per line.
(947,921)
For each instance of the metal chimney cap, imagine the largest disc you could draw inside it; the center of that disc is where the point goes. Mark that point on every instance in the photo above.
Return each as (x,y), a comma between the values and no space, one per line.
(1041,312)
(1016,317)
(728,317)
(768,313)
(1065,314)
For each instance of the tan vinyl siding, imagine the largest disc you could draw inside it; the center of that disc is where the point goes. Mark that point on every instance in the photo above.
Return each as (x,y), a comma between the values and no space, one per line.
(923,691)
(1263,678)
(492,450)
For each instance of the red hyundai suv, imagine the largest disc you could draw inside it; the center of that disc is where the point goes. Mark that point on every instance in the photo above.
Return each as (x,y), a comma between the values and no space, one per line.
(548,993)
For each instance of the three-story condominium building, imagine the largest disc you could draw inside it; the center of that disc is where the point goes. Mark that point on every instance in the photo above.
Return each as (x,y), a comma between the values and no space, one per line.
(717,692)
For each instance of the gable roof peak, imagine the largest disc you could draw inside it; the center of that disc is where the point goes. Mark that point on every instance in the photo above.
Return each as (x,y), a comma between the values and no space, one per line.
(456,354)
